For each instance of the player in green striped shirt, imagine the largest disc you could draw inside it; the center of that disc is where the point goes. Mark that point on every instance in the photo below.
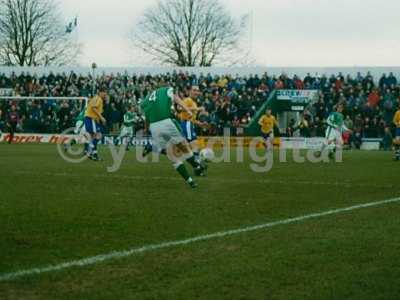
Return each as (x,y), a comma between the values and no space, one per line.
(79,132)
(334,132)
(127,130)
(166,132)
(79,123)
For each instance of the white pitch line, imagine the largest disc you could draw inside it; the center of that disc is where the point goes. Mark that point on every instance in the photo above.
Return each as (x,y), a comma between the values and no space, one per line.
(120,254)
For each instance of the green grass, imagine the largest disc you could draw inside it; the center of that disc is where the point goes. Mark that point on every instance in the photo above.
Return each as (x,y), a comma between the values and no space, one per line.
(53,212)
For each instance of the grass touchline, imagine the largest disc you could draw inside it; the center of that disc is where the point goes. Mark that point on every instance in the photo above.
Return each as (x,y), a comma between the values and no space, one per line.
(120,254)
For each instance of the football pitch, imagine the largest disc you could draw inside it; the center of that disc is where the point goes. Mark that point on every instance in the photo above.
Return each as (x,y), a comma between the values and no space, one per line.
(301,231)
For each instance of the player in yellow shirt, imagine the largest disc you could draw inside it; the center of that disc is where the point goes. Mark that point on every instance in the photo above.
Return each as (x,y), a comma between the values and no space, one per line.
(93,121)
(188,122)
(267,123)
(396,121)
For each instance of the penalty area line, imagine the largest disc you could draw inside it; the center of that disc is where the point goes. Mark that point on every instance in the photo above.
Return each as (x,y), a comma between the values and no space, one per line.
(152,247)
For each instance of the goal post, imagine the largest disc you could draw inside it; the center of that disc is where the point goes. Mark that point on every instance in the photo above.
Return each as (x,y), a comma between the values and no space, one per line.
(40,118)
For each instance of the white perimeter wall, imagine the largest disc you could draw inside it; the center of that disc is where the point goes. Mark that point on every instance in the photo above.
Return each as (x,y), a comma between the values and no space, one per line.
(290,71)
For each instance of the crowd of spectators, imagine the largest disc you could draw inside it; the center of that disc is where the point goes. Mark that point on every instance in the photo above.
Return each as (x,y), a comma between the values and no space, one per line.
(229,101)
(369,106)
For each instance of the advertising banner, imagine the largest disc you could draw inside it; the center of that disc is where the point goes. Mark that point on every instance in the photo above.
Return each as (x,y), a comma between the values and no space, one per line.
(296,95)
(216,142)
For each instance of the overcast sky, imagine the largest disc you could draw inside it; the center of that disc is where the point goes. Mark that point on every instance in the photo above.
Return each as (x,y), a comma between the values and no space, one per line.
(286,32)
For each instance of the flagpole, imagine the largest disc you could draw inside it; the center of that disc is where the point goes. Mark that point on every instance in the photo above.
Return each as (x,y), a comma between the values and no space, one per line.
(251,36)
(94,67)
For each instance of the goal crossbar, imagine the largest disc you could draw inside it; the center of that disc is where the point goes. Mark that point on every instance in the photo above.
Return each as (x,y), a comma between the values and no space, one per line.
(21,98)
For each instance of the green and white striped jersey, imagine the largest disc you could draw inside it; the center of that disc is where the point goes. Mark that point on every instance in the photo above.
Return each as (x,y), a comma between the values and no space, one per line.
(336,120)
(129,119)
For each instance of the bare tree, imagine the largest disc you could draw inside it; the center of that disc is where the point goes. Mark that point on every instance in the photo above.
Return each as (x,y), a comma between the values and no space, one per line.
(32,33)
(188,33)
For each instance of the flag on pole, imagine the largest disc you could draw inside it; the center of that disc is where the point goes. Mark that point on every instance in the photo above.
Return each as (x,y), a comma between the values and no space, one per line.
(72,25)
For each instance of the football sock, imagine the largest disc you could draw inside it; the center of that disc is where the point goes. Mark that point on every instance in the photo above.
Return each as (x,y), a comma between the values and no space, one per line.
(93,146)
(193,162)
(196,155)
(181,169)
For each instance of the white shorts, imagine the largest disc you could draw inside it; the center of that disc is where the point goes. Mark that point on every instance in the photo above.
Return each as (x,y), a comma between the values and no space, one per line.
(126,131)
(165,132)
(335,135)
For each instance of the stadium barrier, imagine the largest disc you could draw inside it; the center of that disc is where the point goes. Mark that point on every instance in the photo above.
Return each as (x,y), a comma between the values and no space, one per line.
(217,142)
(376,72)
(26,138)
